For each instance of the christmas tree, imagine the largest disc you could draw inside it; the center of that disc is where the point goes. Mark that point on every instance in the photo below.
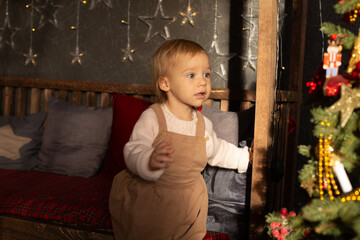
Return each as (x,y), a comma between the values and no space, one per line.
(331,174)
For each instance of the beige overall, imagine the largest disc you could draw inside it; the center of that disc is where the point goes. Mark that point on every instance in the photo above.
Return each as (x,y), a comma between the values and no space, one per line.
(174,207)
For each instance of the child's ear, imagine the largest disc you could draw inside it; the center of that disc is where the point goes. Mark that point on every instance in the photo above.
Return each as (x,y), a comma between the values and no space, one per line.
(164,84)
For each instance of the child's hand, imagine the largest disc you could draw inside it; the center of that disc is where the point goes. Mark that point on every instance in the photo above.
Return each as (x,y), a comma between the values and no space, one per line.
(251,151)
(160,156)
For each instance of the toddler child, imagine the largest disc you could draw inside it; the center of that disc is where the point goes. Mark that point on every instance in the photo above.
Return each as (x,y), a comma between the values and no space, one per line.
(162,194)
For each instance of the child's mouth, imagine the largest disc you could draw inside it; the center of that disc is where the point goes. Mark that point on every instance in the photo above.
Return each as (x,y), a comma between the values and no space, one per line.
(201,94)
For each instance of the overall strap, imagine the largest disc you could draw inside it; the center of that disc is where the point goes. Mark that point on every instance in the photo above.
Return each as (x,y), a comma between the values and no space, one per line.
(200,128)
(160,116)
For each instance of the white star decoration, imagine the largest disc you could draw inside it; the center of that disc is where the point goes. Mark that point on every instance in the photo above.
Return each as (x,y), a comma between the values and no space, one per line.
(77,56)
(158,24)
(30,57)
(48,13)
(188,15)
(219,59)
(7,34)
(250,60)
(128,53)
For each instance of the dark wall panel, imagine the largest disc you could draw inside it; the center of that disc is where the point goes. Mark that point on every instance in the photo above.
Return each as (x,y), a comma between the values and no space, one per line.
(102,36)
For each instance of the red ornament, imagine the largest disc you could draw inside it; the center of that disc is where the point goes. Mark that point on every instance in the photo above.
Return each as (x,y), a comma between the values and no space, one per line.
(283,212)
(333,36)
(332,85)
(358,66)
(275,225)
(317,83)
(355,74)
(275,233)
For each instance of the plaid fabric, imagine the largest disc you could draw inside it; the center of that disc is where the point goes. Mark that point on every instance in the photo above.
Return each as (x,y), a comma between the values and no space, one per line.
(216,236)
(48,196)
(54,197)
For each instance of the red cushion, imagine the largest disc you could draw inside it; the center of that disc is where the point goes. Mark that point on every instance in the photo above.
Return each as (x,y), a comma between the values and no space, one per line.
(126,112)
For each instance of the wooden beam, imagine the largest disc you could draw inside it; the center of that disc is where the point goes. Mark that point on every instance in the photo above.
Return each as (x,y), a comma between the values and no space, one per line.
(265,88)
(299,14)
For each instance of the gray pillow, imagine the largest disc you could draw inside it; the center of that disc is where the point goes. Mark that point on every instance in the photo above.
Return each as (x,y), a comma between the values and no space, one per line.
(226,187)
(22,127)
(75,139)
(225,124)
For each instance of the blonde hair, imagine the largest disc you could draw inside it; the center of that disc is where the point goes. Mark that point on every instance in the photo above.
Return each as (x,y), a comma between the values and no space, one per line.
(166,55)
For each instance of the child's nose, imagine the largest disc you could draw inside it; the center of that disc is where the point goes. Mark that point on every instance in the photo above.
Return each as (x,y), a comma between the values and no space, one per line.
(203,81)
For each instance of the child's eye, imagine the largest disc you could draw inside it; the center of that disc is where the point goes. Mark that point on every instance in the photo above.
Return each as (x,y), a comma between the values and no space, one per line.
(191,75)
(206,75)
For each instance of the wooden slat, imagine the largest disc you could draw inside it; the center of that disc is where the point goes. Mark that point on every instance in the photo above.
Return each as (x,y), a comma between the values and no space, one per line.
(224,105)
(9,101)
(105,100)
(209,102)
(47,94)
(21,105)
(245,105)
(76,97)
(282,150)
(138,96)
(277,190)
(265,89)
(90,99)
(63,95)
(35,99)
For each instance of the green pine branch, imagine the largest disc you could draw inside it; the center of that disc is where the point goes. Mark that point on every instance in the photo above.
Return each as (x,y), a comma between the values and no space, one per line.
(325,122)
(304,150)
(346,36)
(308,171)
(347,142)
(345,6)
(333,217)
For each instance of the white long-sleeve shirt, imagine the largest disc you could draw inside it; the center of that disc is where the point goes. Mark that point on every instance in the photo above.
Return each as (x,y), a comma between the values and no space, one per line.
(138,150)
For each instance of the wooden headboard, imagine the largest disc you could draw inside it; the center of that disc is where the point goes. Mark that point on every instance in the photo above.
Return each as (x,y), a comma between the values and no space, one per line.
(22,96)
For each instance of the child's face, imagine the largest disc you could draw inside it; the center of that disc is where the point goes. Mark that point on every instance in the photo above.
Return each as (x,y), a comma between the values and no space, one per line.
(187,81)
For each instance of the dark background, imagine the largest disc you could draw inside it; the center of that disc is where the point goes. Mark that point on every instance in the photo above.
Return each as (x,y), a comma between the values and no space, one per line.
(102,37)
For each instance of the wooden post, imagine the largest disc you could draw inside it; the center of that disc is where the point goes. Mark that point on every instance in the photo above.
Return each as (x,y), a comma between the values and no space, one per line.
(265,87)
(299,13)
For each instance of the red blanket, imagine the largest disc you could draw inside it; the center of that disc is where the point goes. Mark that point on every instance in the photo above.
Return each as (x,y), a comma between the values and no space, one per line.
(54,197)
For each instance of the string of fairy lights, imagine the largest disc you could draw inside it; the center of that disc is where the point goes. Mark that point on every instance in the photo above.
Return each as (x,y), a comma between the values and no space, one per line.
(218,58)
(77,54)
(30,56)
(46,12)
(128,51)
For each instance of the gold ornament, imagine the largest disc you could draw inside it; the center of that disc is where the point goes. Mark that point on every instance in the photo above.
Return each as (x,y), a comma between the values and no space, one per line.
(309,185)
(353,196)
(326,176)
(350,100)
(355,56)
